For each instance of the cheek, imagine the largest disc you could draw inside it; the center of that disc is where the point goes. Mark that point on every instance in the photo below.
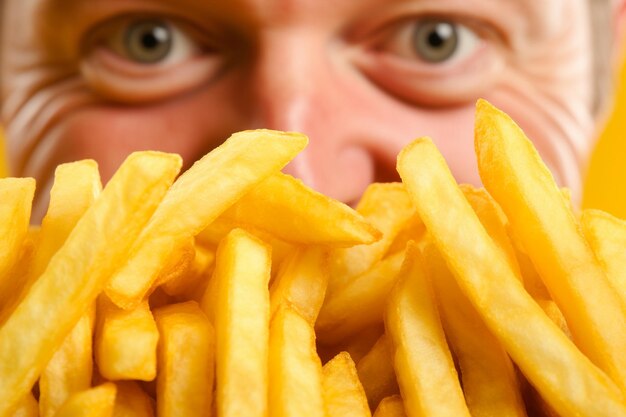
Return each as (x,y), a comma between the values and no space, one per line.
(108,133)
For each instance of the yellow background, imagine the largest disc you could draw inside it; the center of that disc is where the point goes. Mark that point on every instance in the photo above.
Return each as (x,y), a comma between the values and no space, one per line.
(605,185)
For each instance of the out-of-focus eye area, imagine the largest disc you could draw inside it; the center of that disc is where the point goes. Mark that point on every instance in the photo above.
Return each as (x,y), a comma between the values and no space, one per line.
(433,41)
(152,41)
(147,58)
(431,61)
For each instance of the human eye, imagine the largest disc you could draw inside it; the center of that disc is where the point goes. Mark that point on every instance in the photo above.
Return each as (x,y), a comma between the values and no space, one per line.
(147,58)
(431,60)
(433,41)
(152,41)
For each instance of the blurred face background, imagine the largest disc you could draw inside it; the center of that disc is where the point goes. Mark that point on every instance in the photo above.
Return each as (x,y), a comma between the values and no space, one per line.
(102,78)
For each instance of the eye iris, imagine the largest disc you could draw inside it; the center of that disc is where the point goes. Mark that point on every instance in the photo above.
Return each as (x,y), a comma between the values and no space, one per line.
(435,41)
(148,42)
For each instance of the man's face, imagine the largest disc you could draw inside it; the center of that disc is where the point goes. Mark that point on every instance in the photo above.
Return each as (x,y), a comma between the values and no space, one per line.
(101,78)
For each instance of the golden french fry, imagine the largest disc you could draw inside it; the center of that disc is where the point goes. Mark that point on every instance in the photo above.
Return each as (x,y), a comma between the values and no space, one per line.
(515,176)
(125,342)
(192,281)
(388,208)
(197,197)
(343,392)
(92,402)
(359,303)
(488,377)
(28,407)
(178,264)
(391,406)
(607,237)
(544,354)
(241,319)
(16,196)
(429,387)
(132,401)
(376,372)
(295,370)
(186,361)
(70,368)
(286,208)
(79,271)
(301,282)
(76,186)
(17,278)
(493,220)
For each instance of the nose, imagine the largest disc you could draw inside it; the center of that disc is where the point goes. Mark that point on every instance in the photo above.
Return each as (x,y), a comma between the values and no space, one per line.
(298,86)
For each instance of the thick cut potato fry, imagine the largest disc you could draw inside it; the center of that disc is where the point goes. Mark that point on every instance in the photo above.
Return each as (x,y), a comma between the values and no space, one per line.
(79,271)
(132,401)
(93,402)
(391,406)
(241,320)
(376,372)
(191,282)
(286,208)
(76,186)
(515,176)
(70,369)
(126,342)
(388,208)
(28,407)
(426,375)
(197,197)
(295,388)
(301,282)
(359,303)
(186,361)
(607,236)
(488,377)
(16,197)
(343,392)
(178,264)
(493,220)
(561,373)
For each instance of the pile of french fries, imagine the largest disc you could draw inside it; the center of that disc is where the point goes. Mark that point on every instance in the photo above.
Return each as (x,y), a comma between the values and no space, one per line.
(235,290)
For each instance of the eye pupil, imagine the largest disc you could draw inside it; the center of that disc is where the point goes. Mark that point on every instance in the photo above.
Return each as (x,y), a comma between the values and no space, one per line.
(435,41)
(148,42)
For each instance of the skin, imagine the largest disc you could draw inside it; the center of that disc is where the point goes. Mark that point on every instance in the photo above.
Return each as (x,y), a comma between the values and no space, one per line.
(345,72)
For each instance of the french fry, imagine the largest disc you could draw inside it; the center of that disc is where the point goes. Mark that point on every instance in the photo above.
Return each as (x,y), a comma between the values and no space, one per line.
(191,282)
(561,373)
(376,372)
(28,407)
(186,361)
(391,406)
(92,402)
(286,208)
(429,387)
(132,401)
(79,271)
(70,369)
(301,282)
(16,196)
(343,392)
(295,388)
(488,377)
(229,171)
(359,303)
(493,220)
(606,235)
(515,176)
(76,186)
(241,320)
(388,208)
(125,342)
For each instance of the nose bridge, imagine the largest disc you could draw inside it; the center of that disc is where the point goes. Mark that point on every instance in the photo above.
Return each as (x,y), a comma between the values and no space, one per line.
(291,74)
